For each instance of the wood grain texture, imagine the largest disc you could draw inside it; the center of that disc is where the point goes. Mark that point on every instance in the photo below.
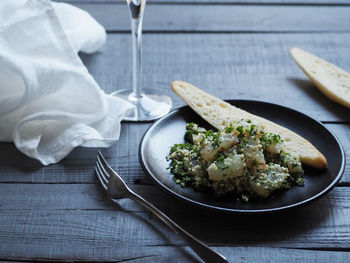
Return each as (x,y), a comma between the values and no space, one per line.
(58,213)
(208,2)
(47,197)
(78,166)
(225,18)
(232,66)
(100,231)
(171,254)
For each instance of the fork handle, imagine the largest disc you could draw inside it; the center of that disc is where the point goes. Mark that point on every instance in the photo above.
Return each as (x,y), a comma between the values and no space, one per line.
(203,251)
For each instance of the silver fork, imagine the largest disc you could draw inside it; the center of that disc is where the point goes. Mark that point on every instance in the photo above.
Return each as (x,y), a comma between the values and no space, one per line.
(115,188)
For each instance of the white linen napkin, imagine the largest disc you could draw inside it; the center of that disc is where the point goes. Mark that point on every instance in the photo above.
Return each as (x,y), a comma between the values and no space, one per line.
(49,103)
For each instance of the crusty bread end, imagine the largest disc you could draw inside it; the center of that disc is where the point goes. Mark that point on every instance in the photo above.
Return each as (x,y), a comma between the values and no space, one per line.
(220,113)
(328,78)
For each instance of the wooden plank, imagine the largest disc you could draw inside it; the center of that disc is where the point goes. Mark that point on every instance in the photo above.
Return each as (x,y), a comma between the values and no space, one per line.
(226,18)
(342,132)
(241,66)
(98,234)
(71,197)
(48,197)
(78,166)
(171,254)
(208,2)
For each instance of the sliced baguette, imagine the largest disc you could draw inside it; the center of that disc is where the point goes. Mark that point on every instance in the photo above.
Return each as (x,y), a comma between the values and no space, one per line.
(220,113)
(328,78)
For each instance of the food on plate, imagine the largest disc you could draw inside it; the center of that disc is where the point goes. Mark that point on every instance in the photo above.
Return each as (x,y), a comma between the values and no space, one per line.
(328,78)
(221,114)
(240,160)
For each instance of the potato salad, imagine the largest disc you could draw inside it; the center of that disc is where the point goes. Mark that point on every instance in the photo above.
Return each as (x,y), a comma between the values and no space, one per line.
(241,161)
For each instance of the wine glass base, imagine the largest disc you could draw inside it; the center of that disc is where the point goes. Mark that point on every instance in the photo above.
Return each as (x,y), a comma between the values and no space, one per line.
(148,107)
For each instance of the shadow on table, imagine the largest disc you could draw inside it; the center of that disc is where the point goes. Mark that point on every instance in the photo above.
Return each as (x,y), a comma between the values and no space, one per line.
(122,205)
(12,158)
(222,229)
(254,229)
(313,92)
(218,228)
(76,167)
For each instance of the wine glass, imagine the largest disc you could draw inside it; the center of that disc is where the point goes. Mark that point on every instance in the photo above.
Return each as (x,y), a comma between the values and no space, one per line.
(149,105)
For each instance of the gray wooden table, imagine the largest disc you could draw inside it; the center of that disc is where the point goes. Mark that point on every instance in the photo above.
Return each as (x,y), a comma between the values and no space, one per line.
(234,49)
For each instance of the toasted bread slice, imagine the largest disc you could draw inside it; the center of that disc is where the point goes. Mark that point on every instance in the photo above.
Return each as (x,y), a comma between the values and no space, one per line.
(328,78)
(220,113)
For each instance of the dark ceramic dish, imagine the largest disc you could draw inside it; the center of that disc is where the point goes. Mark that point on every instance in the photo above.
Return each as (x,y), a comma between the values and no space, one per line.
(170,129)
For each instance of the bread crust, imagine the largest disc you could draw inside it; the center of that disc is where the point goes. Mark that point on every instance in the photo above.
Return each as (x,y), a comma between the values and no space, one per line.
(331,80)
(220,113)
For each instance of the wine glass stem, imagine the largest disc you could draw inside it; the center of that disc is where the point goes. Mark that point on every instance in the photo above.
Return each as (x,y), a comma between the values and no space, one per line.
(136,14)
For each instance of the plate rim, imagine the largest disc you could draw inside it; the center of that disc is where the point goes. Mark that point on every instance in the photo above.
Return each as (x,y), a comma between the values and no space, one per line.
(241,211)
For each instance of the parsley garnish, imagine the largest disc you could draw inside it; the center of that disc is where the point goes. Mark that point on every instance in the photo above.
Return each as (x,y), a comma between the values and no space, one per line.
(229,129)
(215,137)
(252,127)
(182,146)
(240,129)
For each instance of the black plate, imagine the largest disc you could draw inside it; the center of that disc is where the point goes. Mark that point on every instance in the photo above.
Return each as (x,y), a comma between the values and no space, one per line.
(170,129)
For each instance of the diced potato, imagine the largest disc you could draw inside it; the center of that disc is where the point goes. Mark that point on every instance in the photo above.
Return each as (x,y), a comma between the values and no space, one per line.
(273,178)
(210,151)
(253,152)
(230,167)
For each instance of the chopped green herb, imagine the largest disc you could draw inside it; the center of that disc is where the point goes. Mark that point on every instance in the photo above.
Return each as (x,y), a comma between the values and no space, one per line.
(190,125)
(249,166)
(220,159)
(182,146)
(240,129)
(252,127)
(269,138)
(214,137)
(229,129)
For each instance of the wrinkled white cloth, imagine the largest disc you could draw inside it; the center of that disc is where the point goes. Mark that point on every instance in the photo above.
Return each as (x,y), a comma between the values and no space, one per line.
(49,103)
